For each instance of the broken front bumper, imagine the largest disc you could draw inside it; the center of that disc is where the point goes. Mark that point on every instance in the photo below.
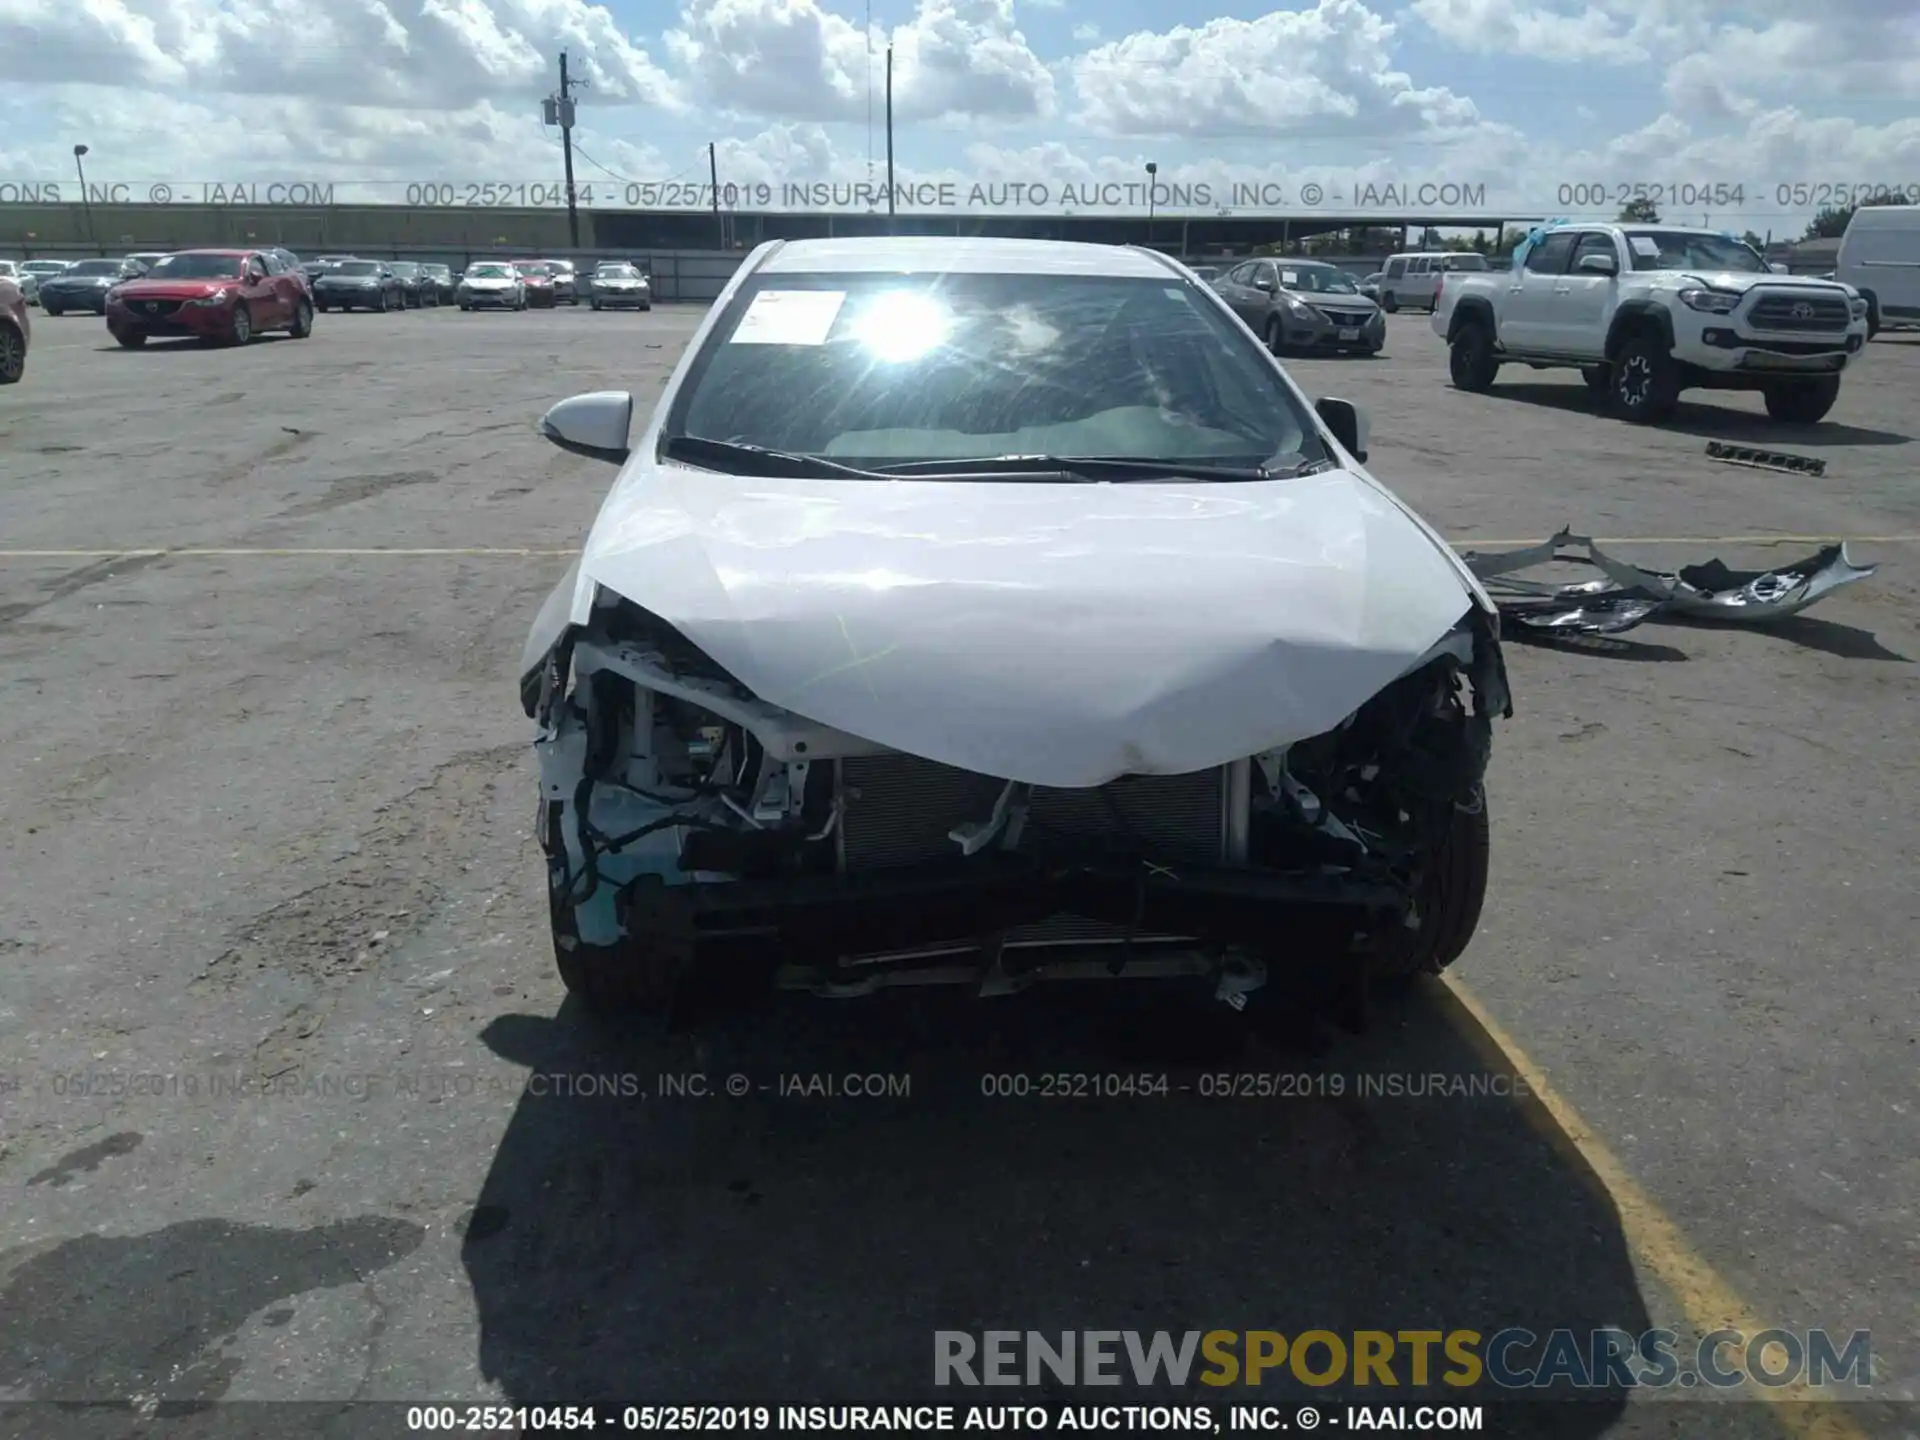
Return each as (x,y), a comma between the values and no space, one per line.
(1629,595)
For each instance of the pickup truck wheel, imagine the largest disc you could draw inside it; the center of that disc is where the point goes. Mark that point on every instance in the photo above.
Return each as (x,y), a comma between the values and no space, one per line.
(1645,383)
(1873,316)
(1802,402)
(1470,358)
(1389,303)
(1452,892)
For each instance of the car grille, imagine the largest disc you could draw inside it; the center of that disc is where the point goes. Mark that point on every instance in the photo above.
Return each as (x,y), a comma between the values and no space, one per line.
(1347,317)
(1799,312)
(900,808)
(155,307)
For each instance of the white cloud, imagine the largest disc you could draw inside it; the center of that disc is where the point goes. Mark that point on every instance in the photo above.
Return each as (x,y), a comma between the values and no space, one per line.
(1326,72)
(354,52)
(1510,27)
(1086,32)
(797,61)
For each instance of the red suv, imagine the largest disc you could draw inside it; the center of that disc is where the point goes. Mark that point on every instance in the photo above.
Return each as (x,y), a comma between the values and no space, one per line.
(225,296)
(15,331)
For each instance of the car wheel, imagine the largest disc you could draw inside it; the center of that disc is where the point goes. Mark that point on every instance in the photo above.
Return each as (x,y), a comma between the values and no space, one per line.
(1873,316)
(1276,336)
(1470,359)
(1596,378)
(593,305)
(1389,303)
(647,306)
(13,354)
(130,339)
(637,978)
(54,312)
(302,325)
(1645,383)
(1451,894)
(1802,402)
(241,331)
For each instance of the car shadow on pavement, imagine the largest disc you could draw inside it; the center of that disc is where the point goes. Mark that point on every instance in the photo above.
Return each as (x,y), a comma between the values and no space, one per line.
(801,1246)
(1845,642)
(163,344)
(1706,420)
(1610,647)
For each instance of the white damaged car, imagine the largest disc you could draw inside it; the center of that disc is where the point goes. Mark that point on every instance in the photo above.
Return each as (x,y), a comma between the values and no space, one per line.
(992,611)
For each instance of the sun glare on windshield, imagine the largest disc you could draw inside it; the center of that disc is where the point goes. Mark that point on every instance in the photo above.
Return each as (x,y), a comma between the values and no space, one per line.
(903,325)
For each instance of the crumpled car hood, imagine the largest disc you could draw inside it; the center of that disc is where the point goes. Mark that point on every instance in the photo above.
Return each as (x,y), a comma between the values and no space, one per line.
(1058,634)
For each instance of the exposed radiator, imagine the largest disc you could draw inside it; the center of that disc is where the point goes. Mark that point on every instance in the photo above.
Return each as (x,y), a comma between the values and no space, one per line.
(899,810)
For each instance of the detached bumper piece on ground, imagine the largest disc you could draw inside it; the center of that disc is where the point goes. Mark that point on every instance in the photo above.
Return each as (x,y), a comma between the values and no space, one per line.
(1628,596)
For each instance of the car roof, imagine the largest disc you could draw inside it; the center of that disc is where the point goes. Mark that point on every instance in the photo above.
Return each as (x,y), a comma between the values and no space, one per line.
(980,256)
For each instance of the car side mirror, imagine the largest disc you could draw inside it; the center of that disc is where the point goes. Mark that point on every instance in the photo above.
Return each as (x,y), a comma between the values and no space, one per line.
(1600,264)
(1263,283)
(1778,269)
(1348,422)
(595,425)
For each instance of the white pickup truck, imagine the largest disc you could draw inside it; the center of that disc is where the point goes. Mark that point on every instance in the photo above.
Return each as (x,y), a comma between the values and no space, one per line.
(1646,311)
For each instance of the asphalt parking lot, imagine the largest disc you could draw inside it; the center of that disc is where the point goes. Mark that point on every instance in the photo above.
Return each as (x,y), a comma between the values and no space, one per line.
(276,973)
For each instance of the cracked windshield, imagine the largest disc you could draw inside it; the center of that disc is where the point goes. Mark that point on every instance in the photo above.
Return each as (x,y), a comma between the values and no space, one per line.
(602,601)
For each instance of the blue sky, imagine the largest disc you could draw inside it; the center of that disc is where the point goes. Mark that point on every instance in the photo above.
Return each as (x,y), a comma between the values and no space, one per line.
(1771,104)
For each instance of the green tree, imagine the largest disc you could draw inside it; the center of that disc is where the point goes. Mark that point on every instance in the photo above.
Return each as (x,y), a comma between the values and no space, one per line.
(1639,211)
(1831,223)
(1754,242)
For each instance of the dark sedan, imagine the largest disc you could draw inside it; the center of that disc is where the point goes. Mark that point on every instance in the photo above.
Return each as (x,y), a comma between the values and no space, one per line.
(84,286)
(359,285)
(418,286)
(1303,305)
(443,282)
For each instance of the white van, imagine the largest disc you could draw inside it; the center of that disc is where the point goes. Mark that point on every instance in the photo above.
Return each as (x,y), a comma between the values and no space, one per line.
(1880,257)
(1414,278)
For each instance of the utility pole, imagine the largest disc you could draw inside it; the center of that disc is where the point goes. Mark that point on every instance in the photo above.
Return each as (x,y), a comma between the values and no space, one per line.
(892,220)
(713,177)
(559,111)
(1152,171)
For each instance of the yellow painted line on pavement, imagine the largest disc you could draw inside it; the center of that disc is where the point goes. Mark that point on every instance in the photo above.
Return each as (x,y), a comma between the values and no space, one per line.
(1709,1301)
(239,552)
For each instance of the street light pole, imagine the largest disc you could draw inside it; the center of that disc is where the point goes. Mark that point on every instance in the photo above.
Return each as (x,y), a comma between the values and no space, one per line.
(86,201)
(1152,170)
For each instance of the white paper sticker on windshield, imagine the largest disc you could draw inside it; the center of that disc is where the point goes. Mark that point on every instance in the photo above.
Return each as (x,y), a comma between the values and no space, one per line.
(1645,245)
(1289,277)
(789,317)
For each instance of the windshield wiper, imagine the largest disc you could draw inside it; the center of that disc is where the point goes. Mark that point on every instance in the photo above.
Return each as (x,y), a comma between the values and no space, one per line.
(1085,467)
(740,458)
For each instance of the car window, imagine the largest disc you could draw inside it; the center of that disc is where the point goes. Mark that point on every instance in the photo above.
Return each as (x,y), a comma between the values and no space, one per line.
(874,369)
(1322,280)
(98,267)
(488,272)
(1467,262)
(617,272)
(196,267)
(1549,257)
(356,267)
(1395,269)
(1681,250)
(1593,242)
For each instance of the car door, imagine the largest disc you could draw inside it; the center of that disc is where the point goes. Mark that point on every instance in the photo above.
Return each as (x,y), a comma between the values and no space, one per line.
(1525,322)
(264,295)
(1235,288)
(1576,321)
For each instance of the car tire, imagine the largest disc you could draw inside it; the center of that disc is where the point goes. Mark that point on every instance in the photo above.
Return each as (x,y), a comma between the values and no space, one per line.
(637,978)
(1452,893)
(1643,381)
(1596,378)
(1276,336)
(130,339)
(54,312)
(302,325)
(13,353)
(1390,303)
(647,306)
(1802,402)
(240,328)
(1470,358)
